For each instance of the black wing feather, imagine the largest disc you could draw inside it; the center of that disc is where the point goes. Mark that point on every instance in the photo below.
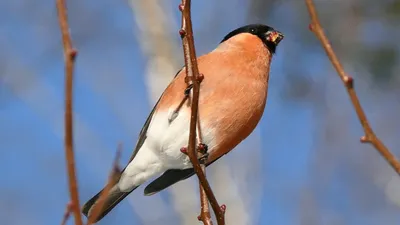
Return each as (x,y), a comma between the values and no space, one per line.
(143,132)
(169,178)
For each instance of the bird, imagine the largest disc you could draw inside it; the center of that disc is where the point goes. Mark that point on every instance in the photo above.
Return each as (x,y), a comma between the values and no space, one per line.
(233,95)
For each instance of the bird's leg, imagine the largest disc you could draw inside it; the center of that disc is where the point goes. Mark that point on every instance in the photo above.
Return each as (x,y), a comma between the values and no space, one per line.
(187,90)
(176,111)
(186,96)
(202,148)
(189,81)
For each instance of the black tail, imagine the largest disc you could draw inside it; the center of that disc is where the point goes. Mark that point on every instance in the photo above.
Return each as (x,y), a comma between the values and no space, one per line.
(114,197)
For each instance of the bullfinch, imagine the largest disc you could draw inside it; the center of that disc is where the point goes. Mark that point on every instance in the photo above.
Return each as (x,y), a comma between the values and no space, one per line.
(233,95)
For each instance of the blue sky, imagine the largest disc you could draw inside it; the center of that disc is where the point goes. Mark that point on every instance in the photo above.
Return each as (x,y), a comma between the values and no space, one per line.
(32,165)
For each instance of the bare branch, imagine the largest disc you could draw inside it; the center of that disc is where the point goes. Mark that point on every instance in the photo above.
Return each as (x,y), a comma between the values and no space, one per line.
(369,136)
(205,215)
(69,58)
(193,77)
(68,210)
(112,179)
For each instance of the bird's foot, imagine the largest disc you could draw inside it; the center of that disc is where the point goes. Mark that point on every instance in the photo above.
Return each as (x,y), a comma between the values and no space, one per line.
(203,150)
(187,90)
(199,79)
(203,158)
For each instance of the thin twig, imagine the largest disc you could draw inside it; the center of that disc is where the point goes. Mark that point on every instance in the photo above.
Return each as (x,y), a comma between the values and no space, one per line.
(69,58)
(205,215)
(193,77)
(67,213)
(112,179)
(369,136)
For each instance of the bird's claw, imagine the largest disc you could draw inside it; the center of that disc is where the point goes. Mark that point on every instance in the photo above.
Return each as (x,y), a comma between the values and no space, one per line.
(202,149)
(203,158)
(187,90)
(199,79)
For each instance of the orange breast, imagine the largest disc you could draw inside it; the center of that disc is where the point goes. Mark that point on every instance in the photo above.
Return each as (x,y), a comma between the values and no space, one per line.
(232,95)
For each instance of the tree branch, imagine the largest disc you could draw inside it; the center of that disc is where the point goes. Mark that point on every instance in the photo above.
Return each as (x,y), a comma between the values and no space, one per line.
(205,215)
(193,77)
(67,213)
(69,58)
(369,136)
(112,180)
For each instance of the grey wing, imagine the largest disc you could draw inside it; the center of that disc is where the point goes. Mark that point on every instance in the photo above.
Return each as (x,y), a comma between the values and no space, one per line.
(169,178)
(143,132)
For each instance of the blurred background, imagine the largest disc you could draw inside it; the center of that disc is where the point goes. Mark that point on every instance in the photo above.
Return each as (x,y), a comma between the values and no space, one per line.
(304,163)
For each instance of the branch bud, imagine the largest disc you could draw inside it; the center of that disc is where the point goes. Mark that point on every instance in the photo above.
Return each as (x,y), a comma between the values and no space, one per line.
(184,150)
(349,81)
(311,27)
(182,32)
(181,7)
(72,53)
(223,208)
(364,139)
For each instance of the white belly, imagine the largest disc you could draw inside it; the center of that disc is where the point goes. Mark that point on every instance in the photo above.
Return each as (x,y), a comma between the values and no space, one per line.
(161,150)
(168,138)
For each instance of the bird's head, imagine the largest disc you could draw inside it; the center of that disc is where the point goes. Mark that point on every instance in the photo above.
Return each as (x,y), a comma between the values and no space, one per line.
(268,35)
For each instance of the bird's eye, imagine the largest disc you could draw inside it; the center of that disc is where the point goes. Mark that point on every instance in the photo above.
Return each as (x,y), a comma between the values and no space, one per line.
(253,30)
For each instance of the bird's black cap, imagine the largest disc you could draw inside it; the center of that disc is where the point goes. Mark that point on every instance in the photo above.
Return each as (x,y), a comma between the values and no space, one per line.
(268,35)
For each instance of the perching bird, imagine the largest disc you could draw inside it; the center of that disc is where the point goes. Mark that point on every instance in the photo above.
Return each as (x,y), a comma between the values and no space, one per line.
(233,95)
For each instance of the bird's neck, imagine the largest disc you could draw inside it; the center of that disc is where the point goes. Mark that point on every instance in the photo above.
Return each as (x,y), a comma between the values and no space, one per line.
(251,53)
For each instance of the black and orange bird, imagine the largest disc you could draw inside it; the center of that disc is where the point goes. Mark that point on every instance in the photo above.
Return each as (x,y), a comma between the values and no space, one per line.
(232,99)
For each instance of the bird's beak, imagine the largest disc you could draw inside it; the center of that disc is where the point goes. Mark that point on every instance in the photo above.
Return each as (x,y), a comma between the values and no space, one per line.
(275,37)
